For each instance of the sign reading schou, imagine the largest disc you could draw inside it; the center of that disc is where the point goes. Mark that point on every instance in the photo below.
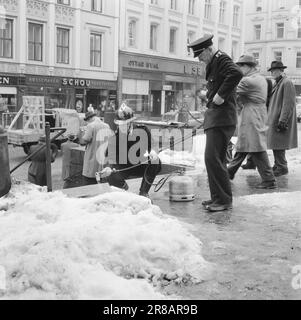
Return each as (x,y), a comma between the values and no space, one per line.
(76,82)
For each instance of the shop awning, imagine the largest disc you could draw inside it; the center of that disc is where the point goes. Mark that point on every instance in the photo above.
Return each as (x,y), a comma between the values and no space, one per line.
(135,87)
(8,90)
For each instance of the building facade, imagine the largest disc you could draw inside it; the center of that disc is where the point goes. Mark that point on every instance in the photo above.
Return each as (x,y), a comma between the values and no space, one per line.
(65,50)
(157,73)
(275,34)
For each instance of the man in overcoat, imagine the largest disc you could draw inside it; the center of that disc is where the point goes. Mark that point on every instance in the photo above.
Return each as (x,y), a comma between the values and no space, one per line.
(222,76)
(282,118)
(252,123)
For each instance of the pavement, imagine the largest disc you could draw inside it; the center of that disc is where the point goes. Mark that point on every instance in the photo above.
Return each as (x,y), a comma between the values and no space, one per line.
(253,254)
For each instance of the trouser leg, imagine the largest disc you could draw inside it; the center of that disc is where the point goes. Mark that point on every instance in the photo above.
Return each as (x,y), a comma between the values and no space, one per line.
(280,160)
(215,160)
(264,168)
(235,164)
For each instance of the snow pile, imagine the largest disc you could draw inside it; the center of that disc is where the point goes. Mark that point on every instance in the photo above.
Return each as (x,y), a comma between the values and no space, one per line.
(276,204)
(114,246)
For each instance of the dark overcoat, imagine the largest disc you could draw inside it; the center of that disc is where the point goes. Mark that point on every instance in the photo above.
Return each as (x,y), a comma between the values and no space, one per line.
(282,107)
(223,75)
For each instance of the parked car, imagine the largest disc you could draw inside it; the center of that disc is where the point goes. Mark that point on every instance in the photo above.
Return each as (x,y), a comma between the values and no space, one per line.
(298,107)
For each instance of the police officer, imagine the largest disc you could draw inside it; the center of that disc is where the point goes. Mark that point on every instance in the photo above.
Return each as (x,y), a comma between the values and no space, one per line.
(222,76)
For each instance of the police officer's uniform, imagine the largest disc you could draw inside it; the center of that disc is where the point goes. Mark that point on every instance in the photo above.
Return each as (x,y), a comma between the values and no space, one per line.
(223,75)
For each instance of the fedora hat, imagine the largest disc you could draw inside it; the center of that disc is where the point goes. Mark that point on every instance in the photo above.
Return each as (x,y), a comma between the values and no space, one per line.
(277,65)
(201,44)
(248,60)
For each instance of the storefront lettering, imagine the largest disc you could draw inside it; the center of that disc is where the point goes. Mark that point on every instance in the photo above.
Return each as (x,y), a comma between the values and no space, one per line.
(4,80)
(76,82)
(193,70)
(141,64)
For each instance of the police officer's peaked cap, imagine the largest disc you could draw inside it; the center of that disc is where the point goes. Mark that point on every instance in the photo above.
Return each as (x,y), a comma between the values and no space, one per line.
(201,44)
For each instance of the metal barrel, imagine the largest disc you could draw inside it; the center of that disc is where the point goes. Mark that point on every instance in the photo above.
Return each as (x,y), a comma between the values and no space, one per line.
(5,180)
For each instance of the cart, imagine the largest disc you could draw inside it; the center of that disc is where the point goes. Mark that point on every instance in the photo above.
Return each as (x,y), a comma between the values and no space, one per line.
(34,116)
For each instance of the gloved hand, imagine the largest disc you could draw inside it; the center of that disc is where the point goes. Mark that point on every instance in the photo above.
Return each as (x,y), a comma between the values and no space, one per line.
(153,155)
(282,126)
(106,172)
(218,100)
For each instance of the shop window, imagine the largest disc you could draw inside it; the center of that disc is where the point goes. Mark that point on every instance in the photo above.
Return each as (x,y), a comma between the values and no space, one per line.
(35,41)
(6,39)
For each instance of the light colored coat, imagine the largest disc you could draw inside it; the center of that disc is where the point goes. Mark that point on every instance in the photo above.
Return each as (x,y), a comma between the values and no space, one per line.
(252,122)
(282,107)
(96,141)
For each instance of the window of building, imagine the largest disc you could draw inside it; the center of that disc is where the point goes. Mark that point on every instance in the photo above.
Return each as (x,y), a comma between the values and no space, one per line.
(257,29)
(191,7)
(173,4)
(132,33)
(95,49)
(172,40)
(208,9)
(221,43)
(97,5)
(299,30)
(234,53)
(236,11)
(190,39)
(6,39)
(258,5)
(281,4)
(256,57)
(153,36)
(63,45)
(280,30)
(278,55)
(222,11)
(298,60)
(66,2)
(35,41)
(154,2)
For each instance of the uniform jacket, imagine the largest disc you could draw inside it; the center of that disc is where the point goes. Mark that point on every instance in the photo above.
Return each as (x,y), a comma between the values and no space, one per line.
(283,108)
(252,121)
(128,148)
(37,169)
(223,75)
(96,141)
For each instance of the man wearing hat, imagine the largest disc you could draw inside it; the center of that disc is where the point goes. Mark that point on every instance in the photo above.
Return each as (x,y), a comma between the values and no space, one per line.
(37,170)
(93,138)
(130,153)
(252,93)
(282,118)
(222,76)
